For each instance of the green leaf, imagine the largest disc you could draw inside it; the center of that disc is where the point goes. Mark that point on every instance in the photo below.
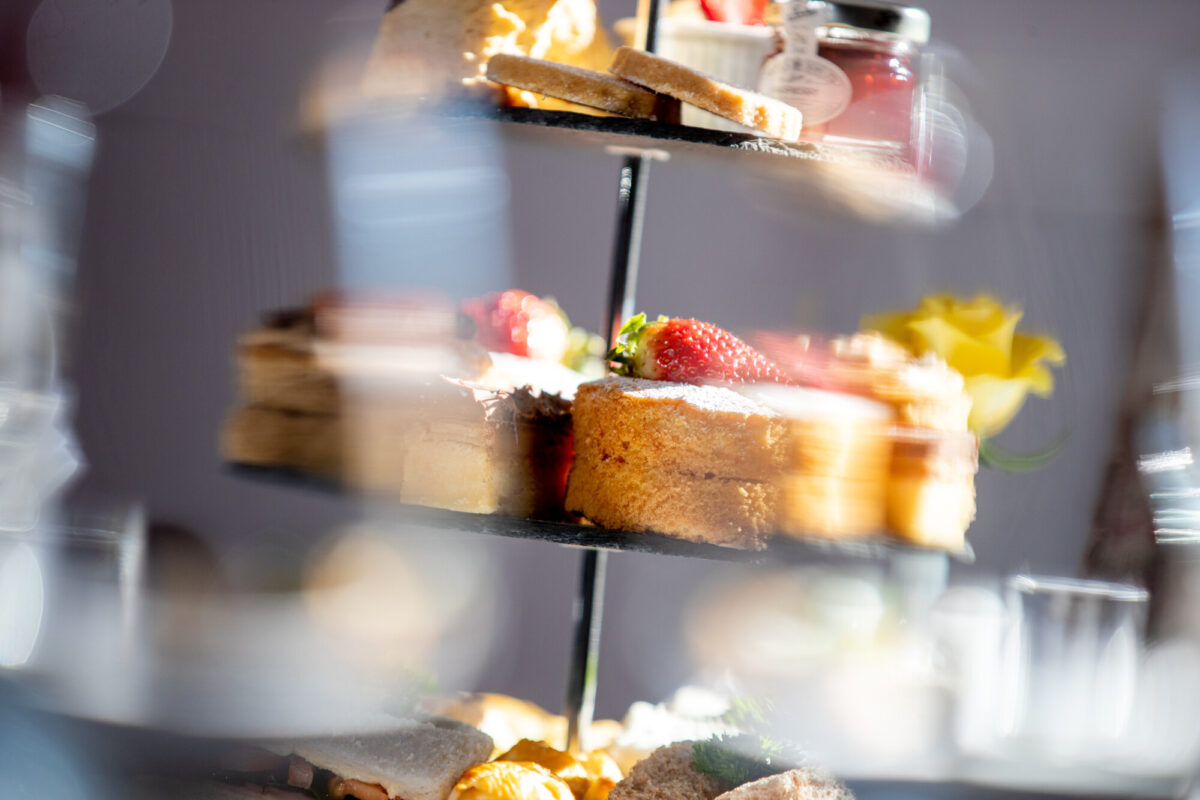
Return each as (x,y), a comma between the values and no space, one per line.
(738,759)
(747,713)
(633,324)
(629,338)
(994,456)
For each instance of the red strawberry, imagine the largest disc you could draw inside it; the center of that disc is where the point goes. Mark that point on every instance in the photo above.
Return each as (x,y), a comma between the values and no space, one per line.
(689,351)
(804,359)
(519,323)
(740,12)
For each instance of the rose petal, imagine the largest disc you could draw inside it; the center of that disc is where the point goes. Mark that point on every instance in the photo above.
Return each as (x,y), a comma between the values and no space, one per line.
(968,355)
(994,402)
(1041,382)
(1029,350)
(978,338)
(987,320)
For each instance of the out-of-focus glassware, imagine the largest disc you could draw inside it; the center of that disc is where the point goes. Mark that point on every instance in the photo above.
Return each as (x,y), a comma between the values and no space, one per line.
(47,154)
(1071,664)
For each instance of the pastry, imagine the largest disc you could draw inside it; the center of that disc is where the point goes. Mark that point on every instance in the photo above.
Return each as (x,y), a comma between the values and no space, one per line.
(931,486)
(590,776)
(262,436)
(427,47)
(509,780)
(302,359)
(925,392)
(773,117)
(460,446)
(695,462)
(424,439)
(509,720)
(599,90)
(834,476)
(385,395)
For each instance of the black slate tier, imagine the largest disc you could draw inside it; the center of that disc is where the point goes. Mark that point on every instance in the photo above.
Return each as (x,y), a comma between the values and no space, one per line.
(780,550)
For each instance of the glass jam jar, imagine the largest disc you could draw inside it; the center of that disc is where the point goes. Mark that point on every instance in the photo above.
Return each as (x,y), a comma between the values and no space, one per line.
(876,45)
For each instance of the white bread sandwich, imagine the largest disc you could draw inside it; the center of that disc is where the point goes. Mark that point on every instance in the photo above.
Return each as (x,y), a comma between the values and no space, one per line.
(418,759)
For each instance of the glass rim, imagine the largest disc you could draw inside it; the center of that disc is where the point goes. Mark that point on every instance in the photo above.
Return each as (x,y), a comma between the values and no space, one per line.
(1080,587)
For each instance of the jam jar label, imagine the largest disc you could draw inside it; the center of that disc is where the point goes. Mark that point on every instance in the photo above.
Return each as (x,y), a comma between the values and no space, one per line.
(801,78)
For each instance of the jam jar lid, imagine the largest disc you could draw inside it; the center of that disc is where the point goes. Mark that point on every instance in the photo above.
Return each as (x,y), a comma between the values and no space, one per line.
(890,19)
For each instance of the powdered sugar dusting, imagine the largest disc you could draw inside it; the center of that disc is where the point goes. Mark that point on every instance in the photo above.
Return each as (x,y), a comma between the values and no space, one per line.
(800,403)
(706,398)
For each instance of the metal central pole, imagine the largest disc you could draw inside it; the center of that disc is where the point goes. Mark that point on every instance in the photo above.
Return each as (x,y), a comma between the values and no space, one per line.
(585,649)
(622,287)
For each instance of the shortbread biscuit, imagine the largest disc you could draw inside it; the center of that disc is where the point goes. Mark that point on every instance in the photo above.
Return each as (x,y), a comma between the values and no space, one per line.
(583,86)
(772,117)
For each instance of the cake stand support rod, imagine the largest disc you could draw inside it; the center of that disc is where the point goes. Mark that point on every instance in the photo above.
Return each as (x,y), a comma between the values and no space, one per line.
(589,595)
(631,206)
(631,211)
(585,649)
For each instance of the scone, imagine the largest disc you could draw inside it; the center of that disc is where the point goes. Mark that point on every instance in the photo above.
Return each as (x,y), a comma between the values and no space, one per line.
(693,462)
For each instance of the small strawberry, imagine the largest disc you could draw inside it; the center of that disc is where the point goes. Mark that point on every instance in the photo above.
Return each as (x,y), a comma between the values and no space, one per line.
(689,351)
(739,12)
(520,323)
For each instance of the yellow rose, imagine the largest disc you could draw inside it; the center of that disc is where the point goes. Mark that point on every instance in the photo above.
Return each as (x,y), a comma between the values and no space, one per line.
(979,339)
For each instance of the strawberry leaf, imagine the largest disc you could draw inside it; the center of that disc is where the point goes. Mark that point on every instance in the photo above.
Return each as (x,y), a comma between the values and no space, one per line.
(632,325)
(629,340)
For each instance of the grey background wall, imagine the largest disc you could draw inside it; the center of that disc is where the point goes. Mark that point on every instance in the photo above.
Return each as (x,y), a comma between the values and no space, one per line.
(207,207)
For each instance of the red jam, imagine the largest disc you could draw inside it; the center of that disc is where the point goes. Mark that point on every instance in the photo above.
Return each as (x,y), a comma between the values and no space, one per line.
(883,87)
